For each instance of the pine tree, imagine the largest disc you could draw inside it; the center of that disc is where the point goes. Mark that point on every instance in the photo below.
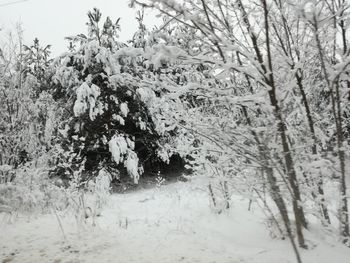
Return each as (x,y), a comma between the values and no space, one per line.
(112,120)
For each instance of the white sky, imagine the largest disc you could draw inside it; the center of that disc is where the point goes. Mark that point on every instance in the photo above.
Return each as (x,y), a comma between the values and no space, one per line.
(52,20)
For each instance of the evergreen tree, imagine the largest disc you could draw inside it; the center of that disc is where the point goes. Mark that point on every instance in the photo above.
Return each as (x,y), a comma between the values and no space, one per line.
(112,119)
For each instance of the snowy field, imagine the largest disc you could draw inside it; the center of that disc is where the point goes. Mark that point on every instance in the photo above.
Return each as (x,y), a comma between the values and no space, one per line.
(173,223)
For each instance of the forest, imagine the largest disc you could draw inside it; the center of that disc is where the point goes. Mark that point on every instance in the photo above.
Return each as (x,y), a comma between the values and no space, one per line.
(221,135)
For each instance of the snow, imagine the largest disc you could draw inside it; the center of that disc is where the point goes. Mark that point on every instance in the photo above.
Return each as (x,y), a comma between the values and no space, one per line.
(131,143)
(119,119)
(122,151)
(64,132)
(80,105)
(170,223)
(124,109)
(309,7)
(86,100)
(118,147)
(131,164)
(5,168)
(159,54)
(147,95)
(129,52)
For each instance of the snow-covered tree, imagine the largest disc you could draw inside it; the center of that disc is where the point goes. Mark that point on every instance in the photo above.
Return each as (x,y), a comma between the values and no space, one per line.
(271,68)
(25,111)
(115,109)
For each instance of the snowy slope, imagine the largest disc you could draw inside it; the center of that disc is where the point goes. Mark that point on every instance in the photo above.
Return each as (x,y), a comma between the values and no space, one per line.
(172,224)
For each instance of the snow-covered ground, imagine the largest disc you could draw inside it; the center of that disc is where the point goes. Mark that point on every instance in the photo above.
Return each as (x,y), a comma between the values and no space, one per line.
(173,223)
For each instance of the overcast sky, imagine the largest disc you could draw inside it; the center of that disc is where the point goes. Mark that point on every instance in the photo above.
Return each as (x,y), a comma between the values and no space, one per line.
(52,20)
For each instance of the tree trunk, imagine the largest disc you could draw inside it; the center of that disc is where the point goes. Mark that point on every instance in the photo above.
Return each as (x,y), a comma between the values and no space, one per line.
(310,122)
(277,198)
(344,211)
(300,220)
